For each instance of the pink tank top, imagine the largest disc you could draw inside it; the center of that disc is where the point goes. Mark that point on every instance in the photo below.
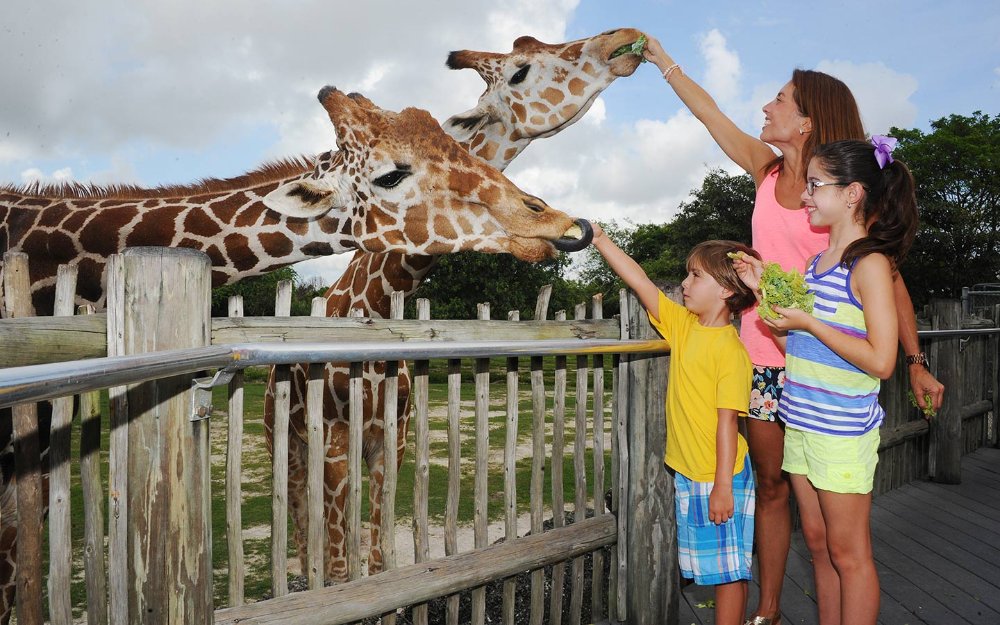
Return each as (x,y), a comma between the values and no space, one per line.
(783,236)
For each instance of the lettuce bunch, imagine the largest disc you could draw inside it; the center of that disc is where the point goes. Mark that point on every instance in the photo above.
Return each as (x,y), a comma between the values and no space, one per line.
(786,289)
(635,48)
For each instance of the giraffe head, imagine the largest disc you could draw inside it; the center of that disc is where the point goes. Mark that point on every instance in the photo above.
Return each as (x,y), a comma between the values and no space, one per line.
(399,183)
(536,90)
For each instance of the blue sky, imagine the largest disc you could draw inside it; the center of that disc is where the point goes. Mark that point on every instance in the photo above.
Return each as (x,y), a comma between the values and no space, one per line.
(153,93)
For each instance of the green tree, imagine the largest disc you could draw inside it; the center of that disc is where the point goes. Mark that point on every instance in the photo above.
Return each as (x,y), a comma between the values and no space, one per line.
(259,294)
(461,281)
(720,209)
(957,171)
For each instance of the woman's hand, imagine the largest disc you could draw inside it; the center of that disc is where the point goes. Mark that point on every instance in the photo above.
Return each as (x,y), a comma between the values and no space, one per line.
(654,52)
(598,232)
(790,319)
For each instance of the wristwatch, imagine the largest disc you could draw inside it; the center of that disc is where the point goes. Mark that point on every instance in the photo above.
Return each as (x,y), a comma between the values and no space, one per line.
(917,359)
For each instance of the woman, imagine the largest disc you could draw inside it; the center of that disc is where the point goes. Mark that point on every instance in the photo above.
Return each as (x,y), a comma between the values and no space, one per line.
(810,110)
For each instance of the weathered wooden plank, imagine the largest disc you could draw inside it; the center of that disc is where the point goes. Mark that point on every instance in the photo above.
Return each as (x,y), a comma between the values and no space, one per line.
(27,460)
(558,498)
(454,473)
(37,340)
(537,481)
(279,457)
(390,471)
(890,436)
(652,530)
(60,547)
(598,590)
(480,514)
(947,426)
(510,472)
(167,306)
(95,575)
(356,418)
(580,471)
(266,329)
(622,495)
(118,456)
(421,466)
(234,477)
(353,601)
(315,461)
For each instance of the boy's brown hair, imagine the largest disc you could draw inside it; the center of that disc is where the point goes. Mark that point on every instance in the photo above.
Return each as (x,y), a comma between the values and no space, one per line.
(712,257)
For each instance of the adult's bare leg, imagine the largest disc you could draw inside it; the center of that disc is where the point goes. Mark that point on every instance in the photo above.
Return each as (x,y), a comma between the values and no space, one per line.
(772,519)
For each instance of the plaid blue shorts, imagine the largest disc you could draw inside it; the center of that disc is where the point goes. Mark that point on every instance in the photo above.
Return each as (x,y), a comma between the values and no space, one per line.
(708,553)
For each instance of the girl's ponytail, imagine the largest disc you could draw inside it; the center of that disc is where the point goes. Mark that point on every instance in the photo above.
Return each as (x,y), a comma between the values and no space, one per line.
(889,210)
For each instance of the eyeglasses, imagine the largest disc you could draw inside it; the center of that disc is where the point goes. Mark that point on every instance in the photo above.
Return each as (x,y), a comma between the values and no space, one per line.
(811,185)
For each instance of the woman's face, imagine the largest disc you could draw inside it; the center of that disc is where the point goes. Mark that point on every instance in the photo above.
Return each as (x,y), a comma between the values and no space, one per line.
(782,118)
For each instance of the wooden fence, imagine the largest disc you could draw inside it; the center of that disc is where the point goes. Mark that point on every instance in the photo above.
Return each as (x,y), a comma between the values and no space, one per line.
(159,556)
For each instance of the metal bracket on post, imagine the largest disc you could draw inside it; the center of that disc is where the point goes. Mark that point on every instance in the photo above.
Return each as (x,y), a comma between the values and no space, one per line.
(201,397)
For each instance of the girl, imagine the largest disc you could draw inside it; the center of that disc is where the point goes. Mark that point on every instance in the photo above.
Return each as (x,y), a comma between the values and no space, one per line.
(835,358)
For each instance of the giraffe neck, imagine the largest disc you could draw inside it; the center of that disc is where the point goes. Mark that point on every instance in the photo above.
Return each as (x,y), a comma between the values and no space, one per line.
(225,219)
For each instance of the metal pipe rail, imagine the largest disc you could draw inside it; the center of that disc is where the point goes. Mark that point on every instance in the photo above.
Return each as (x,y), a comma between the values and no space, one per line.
(37,382)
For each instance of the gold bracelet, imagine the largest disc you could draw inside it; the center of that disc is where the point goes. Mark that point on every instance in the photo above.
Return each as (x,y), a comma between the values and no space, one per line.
(670,70)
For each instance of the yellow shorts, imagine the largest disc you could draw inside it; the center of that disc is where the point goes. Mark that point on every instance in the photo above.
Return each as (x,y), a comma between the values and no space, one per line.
(839,464)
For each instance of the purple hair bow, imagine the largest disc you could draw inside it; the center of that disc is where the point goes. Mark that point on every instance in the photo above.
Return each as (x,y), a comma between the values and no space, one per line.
(883,149)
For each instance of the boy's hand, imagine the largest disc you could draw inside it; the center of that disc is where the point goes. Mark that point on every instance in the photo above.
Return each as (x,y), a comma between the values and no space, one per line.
(790,319)
(749,269)
(721,504)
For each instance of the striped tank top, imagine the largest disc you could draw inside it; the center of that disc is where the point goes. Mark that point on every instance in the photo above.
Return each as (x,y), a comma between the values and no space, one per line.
(823,392)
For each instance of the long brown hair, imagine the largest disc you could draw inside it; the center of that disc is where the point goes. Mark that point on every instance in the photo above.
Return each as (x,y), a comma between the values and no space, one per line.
(830,105)
(889,208)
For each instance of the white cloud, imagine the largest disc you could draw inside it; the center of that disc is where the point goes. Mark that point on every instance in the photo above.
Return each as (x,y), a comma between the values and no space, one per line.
(97,79)
(722,75)
(883,95)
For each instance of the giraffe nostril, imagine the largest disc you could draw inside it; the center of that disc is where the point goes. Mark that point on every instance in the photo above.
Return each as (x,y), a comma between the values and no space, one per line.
(534,207)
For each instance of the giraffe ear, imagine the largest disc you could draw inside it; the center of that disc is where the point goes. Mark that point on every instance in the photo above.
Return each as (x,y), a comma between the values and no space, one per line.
(304,198)
(464,126)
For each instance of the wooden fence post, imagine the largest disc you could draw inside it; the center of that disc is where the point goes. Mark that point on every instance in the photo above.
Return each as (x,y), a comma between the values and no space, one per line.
(164,303)
(25,435)
(653,591)
(947,425)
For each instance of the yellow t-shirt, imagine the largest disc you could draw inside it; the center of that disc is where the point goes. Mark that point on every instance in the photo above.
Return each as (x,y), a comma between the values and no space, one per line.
(709,369)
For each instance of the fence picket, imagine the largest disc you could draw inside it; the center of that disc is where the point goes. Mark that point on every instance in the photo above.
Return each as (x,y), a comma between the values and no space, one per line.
(390,476)
(60,541)
(421,468)
(315,457)
(234,477)
(597,610)
(279,457)
(579,465)
(558,498)
(510,471)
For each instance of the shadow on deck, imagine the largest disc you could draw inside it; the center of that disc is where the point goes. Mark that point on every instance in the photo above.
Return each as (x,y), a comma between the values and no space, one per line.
(937,549)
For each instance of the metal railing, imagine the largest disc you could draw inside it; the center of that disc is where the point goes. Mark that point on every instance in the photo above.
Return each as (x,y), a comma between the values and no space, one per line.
(38,382)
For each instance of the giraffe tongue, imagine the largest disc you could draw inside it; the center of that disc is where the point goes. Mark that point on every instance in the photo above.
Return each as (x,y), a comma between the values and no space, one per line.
(576,238)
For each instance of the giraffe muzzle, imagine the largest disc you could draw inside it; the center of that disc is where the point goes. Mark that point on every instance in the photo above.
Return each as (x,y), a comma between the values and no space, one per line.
(579,236)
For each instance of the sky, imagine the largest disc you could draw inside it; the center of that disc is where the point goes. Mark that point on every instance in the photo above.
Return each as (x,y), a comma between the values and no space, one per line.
(155,93)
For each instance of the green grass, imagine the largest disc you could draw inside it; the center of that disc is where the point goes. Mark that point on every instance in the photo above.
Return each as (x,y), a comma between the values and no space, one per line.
(256,485)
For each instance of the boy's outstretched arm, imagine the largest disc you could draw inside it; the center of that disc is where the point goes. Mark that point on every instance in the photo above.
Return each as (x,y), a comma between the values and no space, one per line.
(628,270)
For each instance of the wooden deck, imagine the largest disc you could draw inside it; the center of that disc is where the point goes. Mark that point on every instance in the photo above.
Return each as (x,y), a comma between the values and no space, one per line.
(937,548)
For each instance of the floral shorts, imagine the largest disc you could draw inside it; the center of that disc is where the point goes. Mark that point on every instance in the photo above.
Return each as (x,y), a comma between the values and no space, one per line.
(765,392)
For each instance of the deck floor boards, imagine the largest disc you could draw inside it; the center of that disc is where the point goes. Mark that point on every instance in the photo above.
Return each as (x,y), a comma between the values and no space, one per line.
(937,549)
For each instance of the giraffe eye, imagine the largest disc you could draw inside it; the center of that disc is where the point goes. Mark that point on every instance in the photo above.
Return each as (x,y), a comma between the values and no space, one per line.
(520,75)
(391,179)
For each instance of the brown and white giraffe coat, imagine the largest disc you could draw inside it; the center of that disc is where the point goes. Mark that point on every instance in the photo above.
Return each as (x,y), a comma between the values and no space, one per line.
(397,182)
(535,91)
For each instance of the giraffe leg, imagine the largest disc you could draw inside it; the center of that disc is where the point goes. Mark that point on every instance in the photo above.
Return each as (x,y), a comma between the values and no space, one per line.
(297,497)
(336,520)
(376,478)
(8,549)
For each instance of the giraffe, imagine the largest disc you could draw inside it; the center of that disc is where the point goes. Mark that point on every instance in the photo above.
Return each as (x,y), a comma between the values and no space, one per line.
(397,182)
(535,91)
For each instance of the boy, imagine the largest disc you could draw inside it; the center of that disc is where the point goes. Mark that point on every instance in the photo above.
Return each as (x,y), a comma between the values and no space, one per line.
(708,388)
